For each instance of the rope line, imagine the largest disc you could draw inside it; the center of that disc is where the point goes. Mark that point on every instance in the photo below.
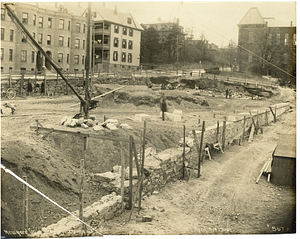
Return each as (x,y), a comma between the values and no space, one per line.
(34,189)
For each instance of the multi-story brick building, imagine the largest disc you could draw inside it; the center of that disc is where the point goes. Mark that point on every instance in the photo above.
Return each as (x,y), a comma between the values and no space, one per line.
(268,39)
(61,30)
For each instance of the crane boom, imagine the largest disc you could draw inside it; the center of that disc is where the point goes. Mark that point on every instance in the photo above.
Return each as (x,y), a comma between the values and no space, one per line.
(56,68)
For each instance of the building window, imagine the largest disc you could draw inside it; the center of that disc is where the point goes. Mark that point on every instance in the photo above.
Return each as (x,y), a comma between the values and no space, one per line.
(32,56)
(286,39)
(11,35)
(249,57)
(25,18)
(83,44)
(40,38)
(278,39)
(129,21)
(41,19)
(77,27)
(10,55)
(129,57)
(131,32)
(2,33)
(34,19)
(69,25)
(83,28)
(24,39)
(251,37)
(124,43)
(77,43)
(82,61)
(270,39)
(106,26)
(124,31)
(68,44)
(2,54)
(76,59)
(99,26)
(116,42)
(49,40)
(116,29)
(49,22)
(2,14)
(68,58)
(23,56)
(60,57)
(61,24)
(294,39)
(60,41)
(115,56)
(123,57)
(130,44)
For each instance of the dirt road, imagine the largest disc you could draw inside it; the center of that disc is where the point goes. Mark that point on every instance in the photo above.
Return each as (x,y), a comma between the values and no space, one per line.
(224,200)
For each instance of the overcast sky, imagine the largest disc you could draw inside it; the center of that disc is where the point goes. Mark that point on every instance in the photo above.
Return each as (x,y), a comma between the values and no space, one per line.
(216,19)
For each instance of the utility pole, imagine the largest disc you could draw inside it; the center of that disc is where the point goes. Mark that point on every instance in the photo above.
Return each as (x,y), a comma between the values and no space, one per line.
(88,63)
(177,55)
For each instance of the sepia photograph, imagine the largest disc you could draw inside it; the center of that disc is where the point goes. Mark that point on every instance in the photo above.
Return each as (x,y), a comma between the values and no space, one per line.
(160,118)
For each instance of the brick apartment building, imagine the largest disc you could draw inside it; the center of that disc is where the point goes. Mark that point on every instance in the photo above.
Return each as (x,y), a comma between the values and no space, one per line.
(61,29)
(271,39)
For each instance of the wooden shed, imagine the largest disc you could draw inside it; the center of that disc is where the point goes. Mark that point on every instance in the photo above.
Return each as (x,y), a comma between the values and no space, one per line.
(284,161)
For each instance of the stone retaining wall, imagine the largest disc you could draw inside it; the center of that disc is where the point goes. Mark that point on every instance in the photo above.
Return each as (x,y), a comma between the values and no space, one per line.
(160,168)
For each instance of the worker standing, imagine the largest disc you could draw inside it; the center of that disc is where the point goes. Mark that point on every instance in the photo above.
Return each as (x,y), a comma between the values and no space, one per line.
(163,105)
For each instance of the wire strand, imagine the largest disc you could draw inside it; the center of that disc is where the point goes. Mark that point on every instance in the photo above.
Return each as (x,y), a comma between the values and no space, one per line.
(36,190)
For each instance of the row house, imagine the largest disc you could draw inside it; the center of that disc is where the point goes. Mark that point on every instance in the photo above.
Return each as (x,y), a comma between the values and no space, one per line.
(61,30)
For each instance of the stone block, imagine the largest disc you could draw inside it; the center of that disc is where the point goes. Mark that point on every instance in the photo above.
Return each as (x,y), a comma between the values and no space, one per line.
(152,163)
(112,121)
(173,117)
(141,117)
(177,112)
(84,126)
(125,126)
(63,120)
(188,141)
(98,128)
(111,126)
(106,177)
(73,123)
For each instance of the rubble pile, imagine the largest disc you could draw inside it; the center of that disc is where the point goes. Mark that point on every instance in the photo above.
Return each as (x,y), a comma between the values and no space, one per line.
(91,122)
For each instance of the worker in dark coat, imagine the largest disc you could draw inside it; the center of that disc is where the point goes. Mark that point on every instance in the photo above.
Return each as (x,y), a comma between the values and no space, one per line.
(29,87)
(163,105)
(227,93)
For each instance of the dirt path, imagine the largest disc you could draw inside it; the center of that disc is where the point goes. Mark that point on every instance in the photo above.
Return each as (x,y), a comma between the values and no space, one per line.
(225,200)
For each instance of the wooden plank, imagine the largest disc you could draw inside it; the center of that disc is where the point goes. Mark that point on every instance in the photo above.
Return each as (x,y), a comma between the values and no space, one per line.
(80,134)
(140,182)
(261,172)
(200,149)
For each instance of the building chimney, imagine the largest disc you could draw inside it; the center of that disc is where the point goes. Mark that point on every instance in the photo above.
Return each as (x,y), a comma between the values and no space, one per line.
(291,23)
(116,10)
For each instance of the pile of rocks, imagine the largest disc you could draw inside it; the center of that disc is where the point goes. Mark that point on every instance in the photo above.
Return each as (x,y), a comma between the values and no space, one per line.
(91,122)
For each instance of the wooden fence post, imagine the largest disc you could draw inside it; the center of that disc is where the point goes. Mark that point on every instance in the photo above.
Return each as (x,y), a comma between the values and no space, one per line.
(45,82)
(223,134)
(266,117)
(22,82)
(25,188)
(274,115)
(218,131)
(122,175)
(10,77)
(142,168)
(183,153)
(200,149)
(244,127)
(130,172)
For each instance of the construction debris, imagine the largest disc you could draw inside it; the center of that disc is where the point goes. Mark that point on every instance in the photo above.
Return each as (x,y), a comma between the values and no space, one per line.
(266,169)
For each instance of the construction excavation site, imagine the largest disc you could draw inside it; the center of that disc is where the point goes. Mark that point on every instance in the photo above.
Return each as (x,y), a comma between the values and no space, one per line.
(206,169)
(147,154)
